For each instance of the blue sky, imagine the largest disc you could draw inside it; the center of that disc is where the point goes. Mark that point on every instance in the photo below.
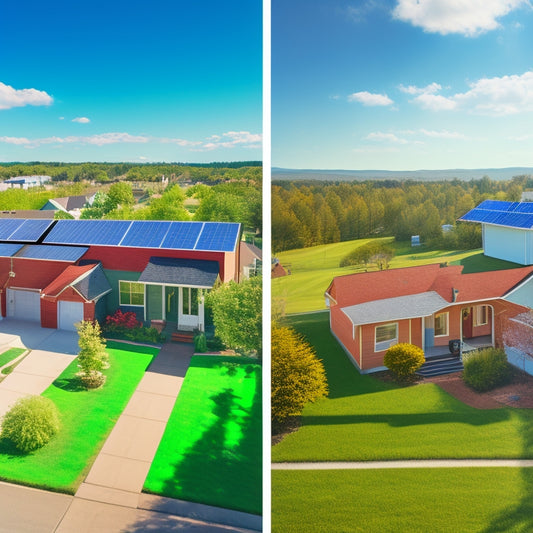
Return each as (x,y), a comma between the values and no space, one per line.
(115,80)
(402,84)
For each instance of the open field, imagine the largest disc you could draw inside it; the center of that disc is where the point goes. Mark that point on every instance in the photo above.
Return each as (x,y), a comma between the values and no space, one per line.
(211,449)
(312,269)
(86,419)
(366,419)
(461,500)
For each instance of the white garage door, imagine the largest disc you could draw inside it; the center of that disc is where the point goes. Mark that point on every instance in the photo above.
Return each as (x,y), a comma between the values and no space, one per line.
(24,305)
(68,314)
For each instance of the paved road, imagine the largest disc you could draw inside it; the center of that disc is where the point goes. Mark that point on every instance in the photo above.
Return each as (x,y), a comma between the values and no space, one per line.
(429,463)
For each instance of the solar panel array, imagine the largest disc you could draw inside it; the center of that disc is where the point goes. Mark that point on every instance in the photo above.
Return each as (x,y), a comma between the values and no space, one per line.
(9,249)
(52,253)
(24,230)
(198,236)
(500,213)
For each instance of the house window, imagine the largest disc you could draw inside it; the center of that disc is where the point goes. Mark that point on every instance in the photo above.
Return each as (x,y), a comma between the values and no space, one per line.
(441,324)
(131,293)
(481,315)
(190,301)
(386,336)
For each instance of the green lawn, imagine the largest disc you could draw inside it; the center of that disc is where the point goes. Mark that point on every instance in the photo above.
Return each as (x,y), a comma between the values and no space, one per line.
(9,355)
(312,269)
(460,500)
(365,419)
(87,418)
(211,449)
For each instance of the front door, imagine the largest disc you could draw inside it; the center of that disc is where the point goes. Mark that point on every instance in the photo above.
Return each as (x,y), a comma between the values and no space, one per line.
(171,303)
(467,322)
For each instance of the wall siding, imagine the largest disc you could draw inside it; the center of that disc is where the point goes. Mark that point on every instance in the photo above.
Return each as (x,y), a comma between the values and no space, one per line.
(509,244)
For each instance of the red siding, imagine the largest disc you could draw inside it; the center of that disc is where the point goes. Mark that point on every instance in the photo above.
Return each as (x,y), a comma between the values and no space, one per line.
(32,274)
(136,259)
(48,313)
(342,326)
(88,310)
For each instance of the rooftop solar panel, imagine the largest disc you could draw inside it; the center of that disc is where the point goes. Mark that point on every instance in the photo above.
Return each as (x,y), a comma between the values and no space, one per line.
(8,226)
(524,207)
(88,232)
(53,253)
(497,205)
(9,250)
(146,234)
(182,235)
(218,236)
(30,230)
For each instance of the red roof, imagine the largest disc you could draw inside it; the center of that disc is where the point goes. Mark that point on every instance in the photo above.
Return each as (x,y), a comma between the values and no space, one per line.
(66,278)
(370,286)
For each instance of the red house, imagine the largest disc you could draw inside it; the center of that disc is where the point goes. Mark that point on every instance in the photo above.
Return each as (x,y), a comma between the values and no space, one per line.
(428,306)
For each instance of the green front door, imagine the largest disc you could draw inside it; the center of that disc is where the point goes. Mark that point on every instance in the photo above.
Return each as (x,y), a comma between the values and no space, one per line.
(171,303)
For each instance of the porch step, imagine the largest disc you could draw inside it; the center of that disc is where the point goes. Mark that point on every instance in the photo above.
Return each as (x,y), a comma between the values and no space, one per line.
(437,366)
(180,336)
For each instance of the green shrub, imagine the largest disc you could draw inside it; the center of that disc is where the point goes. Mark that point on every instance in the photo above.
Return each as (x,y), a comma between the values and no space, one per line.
(93,357)
(8,369)
(31,423)
(486,369)
(200,343)
(404,359)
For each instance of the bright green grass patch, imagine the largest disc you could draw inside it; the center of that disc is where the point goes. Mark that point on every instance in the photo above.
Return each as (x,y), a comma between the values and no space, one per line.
(365,419)
(87,418)
(452,500)
(312,269)
(211,449)
(9,355)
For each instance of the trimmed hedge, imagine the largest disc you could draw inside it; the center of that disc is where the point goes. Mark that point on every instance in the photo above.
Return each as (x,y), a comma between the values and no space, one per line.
(404,359)
(486,369)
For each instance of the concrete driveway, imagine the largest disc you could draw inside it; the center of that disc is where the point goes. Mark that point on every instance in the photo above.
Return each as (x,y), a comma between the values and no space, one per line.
(51,352)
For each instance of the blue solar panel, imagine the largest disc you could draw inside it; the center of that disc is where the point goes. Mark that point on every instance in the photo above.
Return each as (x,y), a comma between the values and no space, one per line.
(8,226)
(498,205)
(218,236)
(524,207)
(30,230)
(146,234)
(53,253)
(9,250)
(182,235)
(88,232)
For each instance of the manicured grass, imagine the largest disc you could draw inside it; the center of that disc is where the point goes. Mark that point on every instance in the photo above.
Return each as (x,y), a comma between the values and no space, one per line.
(9,355)
(449,500)
(365,419)
(87,417)
(312,269)
(211,449)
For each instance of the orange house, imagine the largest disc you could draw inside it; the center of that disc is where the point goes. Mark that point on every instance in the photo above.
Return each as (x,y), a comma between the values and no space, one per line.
(429,306)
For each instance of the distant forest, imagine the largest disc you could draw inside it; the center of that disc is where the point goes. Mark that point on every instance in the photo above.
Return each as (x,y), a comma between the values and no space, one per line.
(308,213)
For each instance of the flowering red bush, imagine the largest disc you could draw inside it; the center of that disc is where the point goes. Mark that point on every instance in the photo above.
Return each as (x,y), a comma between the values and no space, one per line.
(126,320)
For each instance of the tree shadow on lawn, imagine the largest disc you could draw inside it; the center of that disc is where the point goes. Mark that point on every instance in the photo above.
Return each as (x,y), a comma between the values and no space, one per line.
(8,448)
(216,475)
(69,384)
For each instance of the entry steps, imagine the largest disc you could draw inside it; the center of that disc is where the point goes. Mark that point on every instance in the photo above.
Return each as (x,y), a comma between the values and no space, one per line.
(182,336)
(439,365)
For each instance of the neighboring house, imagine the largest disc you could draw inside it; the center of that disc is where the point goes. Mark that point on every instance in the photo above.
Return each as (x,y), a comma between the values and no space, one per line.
(507,229)
(69,204)
(277,270)
(58,272)
(25,182)
(428,306)
(27,213)
(251,260)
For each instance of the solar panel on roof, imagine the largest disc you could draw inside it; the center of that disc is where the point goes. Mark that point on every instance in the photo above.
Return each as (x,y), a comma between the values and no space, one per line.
(146,234)
(182,235)
(9,250)
(524,207)
(218,236)
(88,232)
(30,230)
(8,226)
(53,253)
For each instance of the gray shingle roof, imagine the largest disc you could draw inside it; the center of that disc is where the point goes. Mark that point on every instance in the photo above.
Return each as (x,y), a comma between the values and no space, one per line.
(93,285)
(188,272)
(401,307)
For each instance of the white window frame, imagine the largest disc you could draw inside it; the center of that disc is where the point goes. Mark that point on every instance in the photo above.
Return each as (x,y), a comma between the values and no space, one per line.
(385,344)
(478,315)
(447,330)
(120,293)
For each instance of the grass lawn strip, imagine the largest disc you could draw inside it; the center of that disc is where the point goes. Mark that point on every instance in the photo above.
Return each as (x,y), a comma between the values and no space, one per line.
(364,419)
(414,500)
(211,449)
(10,355)
(87,418)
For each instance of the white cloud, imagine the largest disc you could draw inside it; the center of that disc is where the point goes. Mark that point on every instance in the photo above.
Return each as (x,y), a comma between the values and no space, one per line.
(15,140)
(432,88)
(469,18)
(10,97)
(435,102)
(358,14)
(370,99)
(444,134)
(379,136)
(81,120)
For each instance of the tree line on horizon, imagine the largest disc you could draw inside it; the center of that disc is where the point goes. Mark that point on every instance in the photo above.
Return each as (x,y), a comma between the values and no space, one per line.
(310,213)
